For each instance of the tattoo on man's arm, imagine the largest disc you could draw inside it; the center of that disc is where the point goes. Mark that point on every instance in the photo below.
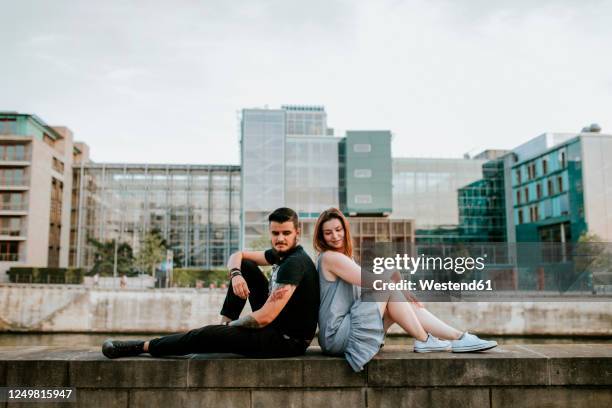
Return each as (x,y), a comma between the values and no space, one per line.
(247,321)
(278,291)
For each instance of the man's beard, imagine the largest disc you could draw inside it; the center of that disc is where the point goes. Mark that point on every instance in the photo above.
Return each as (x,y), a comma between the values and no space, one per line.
(288,248)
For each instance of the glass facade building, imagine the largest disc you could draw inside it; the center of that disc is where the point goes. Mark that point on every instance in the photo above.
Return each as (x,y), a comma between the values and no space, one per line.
(311,161)
(305,120)
(426,190)
(195,208)
(288,159)
(311,174)
(262,153)
(482,206)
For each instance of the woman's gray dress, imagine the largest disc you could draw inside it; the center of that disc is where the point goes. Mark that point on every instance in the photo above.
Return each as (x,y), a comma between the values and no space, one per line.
(348,326)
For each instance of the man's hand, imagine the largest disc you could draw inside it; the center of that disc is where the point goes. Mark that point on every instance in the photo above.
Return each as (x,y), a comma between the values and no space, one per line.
(247,321)
(241,289)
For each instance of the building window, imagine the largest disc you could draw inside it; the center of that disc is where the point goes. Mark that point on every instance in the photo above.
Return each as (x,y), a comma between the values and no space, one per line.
(560,184)
(363,173)
(526,194)
(518,196)
(13,152)
(362,148)
(538,191)
(562,160)
(363,199)
(8,126)
(10,226)
(9,251)
(11,201)
(58,165)
(520,216)
(536,213)
(550,187)
(48,140)
(544,166)
(518,176)
(12,177)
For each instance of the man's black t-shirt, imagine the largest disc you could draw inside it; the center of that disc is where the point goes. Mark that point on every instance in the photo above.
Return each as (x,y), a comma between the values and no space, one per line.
(298,319)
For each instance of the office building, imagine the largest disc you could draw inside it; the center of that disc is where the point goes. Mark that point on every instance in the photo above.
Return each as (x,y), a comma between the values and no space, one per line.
(35,187)
(288,158)
(562,187)
(311,161)
(482,206)
(262,169)
(426,191)
(194,208)
(366,181)
(366,233)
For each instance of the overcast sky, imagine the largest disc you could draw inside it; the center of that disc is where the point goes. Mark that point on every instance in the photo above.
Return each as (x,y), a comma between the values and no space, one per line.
(162,82)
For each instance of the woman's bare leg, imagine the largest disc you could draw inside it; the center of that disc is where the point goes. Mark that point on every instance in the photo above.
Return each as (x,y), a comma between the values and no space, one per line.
(434,325)
(429,322)
(387,321)
(400,312)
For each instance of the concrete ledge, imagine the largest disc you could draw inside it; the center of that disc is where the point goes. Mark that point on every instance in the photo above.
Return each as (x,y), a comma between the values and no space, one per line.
(516,375)
(82,309)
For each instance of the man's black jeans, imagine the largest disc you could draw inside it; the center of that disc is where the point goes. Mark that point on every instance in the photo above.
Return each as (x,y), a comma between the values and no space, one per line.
(265,342)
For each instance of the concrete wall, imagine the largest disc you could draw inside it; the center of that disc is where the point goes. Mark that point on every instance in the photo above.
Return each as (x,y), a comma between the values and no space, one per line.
(67,308)
(533,376)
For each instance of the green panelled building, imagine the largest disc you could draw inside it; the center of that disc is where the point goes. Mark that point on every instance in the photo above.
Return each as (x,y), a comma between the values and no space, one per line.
(366,173)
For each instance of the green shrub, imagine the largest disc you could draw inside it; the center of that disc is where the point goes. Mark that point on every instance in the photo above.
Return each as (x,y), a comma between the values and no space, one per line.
(187,277)
(46,275)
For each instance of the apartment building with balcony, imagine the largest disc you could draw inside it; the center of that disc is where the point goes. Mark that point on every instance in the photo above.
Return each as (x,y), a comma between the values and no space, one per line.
(35,191)
(562,187)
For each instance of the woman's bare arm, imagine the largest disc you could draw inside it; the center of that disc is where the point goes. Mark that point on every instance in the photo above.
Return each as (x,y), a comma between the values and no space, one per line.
(342,267)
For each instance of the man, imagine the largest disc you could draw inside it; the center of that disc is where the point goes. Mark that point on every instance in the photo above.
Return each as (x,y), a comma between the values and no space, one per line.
(285,313)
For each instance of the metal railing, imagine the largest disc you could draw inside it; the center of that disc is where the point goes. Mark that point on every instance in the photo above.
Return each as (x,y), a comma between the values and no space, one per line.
(9,257)
(13,206)
(13,181)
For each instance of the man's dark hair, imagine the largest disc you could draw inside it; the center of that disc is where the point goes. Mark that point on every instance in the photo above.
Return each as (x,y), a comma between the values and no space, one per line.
(284,214)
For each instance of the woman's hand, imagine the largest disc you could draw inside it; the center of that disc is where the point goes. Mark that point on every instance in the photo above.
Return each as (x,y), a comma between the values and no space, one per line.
(409,296)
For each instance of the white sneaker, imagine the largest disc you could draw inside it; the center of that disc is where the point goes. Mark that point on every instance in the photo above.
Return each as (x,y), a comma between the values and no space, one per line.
(469,342)
(431,344)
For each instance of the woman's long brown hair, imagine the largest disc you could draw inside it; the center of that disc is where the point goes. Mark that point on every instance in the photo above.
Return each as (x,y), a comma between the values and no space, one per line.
(318,240)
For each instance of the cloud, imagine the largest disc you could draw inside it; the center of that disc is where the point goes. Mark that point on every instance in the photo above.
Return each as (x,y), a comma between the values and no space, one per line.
(444,76)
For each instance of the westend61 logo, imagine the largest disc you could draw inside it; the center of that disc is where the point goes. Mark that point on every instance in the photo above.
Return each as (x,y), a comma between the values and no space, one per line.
(402,263)
(412,264)
(472,271)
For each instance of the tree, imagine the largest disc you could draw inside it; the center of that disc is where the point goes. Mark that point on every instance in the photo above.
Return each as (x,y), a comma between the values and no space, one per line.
(260,244)
(104,257)
(593,254)
(152,252)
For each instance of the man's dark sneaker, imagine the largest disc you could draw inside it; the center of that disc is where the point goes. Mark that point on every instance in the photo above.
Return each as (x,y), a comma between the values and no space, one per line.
(118,348)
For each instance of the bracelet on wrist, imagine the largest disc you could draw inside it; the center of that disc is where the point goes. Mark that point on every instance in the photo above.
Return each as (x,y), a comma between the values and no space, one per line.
(235,272)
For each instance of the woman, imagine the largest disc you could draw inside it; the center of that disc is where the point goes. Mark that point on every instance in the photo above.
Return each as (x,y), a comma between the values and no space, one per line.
(357,329)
